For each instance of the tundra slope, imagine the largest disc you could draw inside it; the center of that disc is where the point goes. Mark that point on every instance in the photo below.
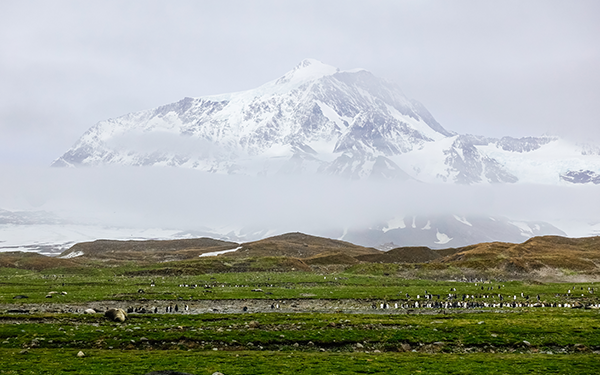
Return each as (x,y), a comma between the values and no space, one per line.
(297,251)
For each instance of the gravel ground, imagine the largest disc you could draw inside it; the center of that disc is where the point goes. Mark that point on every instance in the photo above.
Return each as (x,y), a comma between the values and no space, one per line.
(227,307)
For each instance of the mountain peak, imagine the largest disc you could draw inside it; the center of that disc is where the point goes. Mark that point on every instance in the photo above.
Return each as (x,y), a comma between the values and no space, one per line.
(307,63)
(307,70)
(317,119)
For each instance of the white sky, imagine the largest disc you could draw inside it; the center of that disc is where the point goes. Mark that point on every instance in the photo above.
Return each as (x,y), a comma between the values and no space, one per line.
(484,67)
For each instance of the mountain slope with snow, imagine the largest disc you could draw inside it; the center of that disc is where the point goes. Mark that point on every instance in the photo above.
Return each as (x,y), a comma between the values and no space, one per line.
(444,231)
(318,119)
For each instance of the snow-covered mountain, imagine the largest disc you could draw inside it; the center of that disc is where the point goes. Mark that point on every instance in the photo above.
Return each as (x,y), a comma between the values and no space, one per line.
(318,119)
(445,231)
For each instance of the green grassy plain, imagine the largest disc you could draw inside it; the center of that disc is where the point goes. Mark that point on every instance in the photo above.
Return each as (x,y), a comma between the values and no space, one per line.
(115,284)
(524,340)
(244,362)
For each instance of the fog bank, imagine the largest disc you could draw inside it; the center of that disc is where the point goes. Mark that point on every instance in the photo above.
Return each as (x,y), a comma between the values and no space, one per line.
(170,198)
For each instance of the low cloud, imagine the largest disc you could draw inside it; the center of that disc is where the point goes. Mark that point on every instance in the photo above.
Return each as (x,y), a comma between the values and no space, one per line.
(189,200)
(162,141)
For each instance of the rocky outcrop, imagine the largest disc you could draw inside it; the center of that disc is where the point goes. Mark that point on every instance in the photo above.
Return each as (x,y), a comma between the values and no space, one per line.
(581,177)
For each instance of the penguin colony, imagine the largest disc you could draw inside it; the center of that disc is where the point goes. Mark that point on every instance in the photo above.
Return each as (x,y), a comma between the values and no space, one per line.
(426,300)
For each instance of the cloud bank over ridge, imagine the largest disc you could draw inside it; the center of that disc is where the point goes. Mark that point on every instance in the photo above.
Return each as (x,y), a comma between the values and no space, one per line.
(187,199)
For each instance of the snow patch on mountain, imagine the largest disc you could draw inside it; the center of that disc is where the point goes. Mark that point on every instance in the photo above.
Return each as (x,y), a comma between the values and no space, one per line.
(395,223)
(74,254)
(526,230)
(546,163)
(307,70)
(442,238)
(215,253)
(462,220)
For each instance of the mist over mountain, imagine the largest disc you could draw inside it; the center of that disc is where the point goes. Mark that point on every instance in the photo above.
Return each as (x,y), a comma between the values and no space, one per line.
(128,203)
(340,154)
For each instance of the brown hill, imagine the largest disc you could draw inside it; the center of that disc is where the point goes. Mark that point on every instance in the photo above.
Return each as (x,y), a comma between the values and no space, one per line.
(331,258)
(299,245)
(32,261)
(223,265)
(581,254)
(147,251)
(291,245)
(413,254)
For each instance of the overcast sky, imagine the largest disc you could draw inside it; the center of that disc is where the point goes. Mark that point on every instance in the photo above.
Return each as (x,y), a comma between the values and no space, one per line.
(482,67)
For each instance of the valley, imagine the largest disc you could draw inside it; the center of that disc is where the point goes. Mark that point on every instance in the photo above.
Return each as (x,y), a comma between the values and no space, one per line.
(309,303)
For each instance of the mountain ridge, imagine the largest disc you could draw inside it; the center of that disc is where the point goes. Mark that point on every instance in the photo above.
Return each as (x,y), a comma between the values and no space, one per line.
(318,119)
(550,252)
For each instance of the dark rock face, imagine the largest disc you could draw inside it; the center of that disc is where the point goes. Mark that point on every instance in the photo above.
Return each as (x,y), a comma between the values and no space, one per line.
(526,144)
(581,177)
(469,166)
(375,131)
